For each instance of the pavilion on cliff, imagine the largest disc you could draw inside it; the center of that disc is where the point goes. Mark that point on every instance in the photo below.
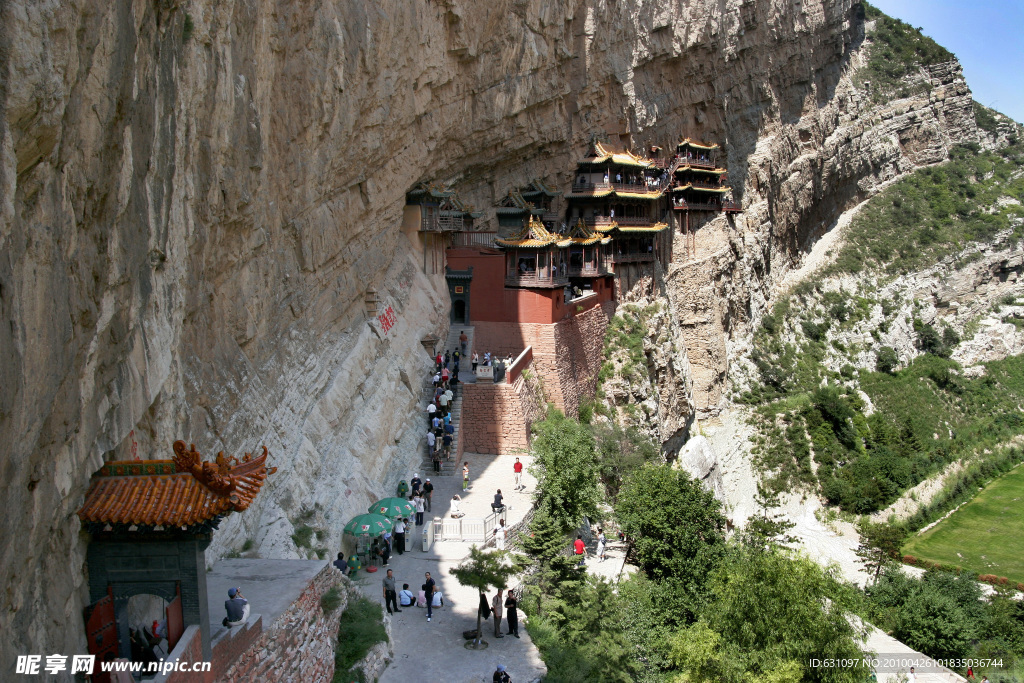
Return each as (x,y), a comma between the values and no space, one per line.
(698,184)
(150,523)
(436,214)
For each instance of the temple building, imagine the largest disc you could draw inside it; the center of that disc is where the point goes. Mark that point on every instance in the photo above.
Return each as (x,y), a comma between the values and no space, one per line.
(621,196)
(150,522)
(435,214)
(698,185)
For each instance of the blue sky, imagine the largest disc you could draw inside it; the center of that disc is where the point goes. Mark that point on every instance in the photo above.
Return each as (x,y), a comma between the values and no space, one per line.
(985,35)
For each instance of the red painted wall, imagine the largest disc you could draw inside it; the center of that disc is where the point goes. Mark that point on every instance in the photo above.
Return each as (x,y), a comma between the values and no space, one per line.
(491,301)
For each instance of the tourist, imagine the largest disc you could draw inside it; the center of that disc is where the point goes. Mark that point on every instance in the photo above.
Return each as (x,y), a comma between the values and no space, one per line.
(428,492)
(435,458)
(518,469)
(443,402)
(601,542)
(911,677)
(512,613)
(420,507)
(431,409)
(465,476)
(416,484)
(487,358)
(450,393)
(456,507)
(405,596)
(428,590)
(496,608)
(475,361)
(446,444)
(500,532)
(463,340)
(440,361)
(381,551)
(400,534)
(438,599)
(447,358)
(340,563)
(580,549)
(445,376)
(237,608)
(437,425)
(437,379)
(497,505)
(447,420)
(500,675)
(390,595)
(431,442)
(421,597)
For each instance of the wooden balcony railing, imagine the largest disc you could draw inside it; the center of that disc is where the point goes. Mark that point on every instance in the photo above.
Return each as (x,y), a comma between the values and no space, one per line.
(531,279)
(588,270)
(635,257)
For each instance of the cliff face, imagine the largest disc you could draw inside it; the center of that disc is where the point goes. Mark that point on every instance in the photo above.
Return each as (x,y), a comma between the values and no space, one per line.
(197,195)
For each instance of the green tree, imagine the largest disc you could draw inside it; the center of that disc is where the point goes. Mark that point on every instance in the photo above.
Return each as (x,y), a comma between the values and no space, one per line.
(674,525)
(887,361)
(620,453)
(879,545)
(484,570)
(771,614)
(767,530)
(566,469)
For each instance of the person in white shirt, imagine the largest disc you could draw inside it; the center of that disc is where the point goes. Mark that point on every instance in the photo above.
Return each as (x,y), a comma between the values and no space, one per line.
(499,535)
(400,535)
(421,506)
(405,596)
(431,440)
(431,409)
(456,512)
(438,600)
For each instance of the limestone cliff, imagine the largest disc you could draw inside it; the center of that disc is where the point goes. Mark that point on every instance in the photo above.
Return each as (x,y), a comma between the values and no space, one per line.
(197,196)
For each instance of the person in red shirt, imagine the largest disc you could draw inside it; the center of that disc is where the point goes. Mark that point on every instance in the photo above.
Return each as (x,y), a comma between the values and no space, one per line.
(518,469)
(580,548)
(440,362)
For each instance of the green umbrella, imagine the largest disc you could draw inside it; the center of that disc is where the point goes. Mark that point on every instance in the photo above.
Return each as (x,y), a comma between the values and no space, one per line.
(368,525)
(392,507)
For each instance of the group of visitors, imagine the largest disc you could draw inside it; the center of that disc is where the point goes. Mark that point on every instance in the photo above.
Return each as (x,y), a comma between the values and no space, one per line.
(429,596)
(502,602)
(440,430)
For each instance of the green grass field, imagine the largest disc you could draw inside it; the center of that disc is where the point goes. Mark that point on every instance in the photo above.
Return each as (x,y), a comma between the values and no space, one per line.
(985,536)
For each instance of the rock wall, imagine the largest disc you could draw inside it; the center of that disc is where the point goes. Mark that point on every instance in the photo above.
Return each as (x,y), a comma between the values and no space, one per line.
(197,195)
(496,418)
(838,148)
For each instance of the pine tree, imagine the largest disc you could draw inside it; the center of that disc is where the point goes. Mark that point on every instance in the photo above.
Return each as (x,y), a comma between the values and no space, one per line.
(484,570)
(767,530)
(879,545)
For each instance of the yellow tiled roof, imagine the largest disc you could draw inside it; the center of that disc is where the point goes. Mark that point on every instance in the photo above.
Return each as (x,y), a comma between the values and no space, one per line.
(656,227)
(533,235)
(600,154)
(687,142)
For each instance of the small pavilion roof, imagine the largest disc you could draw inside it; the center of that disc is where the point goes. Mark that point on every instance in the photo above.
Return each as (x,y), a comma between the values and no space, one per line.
(614,227)
(688,142)
(513,204)
(182,492)
(533,236)
(698,188)
(686,168)
(580,234)
(425,190)
(538,187)
(599,154)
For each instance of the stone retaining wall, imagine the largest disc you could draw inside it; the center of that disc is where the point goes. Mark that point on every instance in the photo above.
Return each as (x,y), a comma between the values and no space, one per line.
(298,646)
(567,355)
(496,418)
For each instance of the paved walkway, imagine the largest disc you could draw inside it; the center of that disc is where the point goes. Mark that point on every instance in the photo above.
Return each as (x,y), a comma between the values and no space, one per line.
(435,651)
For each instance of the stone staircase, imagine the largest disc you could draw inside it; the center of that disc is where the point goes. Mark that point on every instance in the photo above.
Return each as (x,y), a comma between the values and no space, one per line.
(448,467)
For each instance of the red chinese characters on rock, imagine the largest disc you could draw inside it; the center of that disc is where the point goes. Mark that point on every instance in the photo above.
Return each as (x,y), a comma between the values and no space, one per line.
(387,319)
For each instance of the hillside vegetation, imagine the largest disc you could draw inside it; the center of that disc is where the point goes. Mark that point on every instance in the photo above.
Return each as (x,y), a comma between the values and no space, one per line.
(898,50)
(815,426)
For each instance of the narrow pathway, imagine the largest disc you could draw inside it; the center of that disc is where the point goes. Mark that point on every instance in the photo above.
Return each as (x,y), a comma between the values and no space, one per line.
(434,651)
(448,467)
